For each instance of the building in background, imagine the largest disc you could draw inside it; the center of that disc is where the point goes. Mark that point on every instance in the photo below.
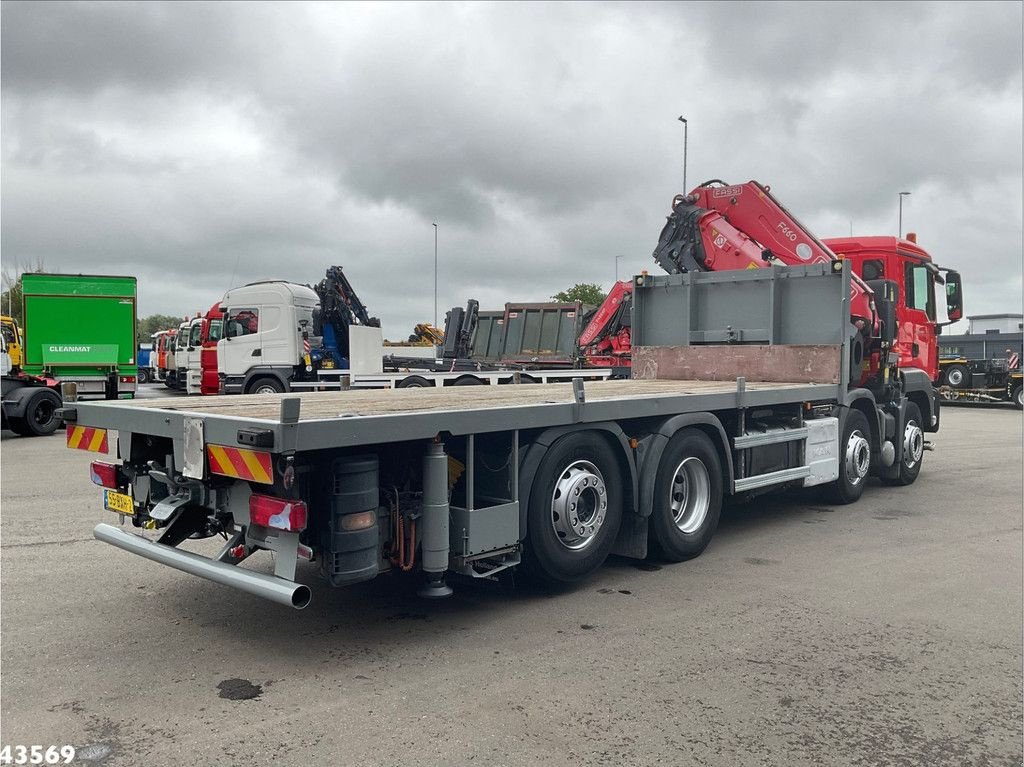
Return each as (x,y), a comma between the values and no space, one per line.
(995,323)
(988,337)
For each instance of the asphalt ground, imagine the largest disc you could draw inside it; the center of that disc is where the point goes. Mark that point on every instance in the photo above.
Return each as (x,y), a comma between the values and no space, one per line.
(888,632)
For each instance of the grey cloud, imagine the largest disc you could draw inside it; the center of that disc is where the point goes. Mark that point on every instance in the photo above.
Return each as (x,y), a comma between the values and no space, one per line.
(179,140)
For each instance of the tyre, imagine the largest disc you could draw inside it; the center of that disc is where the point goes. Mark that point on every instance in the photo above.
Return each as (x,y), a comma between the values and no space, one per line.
(468,381)
(18,426)
(41,413)
(854,459)
(1017,398)
(687,496)
(143,376)
(913,449)
(575,509)
(956,376)
(413,382)
(265,385)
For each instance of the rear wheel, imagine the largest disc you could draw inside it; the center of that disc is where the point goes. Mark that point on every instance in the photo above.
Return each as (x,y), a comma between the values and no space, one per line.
(1018,396)
(468,381)
(266,386)
(854,459)
(956,376)
(913,448)
(413,382)
(575,508)
(687,496)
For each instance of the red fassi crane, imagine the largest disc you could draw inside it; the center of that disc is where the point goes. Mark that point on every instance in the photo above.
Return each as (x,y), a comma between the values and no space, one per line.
(719,227)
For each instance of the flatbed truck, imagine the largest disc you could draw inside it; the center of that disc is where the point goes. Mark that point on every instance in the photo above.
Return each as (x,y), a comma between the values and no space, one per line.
(471,482)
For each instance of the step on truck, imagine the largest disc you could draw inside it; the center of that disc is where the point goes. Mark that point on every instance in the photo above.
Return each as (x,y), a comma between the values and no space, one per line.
(746,382)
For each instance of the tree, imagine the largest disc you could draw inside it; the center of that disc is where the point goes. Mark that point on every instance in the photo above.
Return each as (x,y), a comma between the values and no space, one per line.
(584,292)
(10,298)
(149,325)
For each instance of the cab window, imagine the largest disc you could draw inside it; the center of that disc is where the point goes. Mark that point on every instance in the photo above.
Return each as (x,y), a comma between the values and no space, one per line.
(195,338)
(215,328)
(920,289)
(242,322)
(873,270)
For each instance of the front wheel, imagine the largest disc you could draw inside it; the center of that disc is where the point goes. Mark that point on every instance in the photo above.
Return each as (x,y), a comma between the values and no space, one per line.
(266,386)
(687,496)
(913,449)
(143,377)
(1018,397)
(854,459)
(575,508)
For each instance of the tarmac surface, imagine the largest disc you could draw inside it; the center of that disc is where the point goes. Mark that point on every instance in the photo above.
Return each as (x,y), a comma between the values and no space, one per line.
(888,632)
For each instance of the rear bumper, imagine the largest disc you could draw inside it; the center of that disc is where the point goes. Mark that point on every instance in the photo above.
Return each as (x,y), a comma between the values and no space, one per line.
(279,590)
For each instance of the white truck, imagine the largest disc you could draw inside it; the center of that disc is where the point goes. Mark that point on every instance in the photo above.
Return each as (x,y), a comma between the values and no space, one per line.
(269,347)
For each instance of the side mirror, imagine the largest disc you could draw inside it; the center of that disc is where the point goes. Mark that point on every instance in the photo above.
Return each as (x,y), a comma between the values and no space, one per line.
(954,296)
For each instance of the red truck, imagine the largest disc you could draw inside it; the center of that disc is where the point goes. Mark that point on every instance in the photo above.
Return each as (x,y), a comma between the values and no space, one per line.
(719,227)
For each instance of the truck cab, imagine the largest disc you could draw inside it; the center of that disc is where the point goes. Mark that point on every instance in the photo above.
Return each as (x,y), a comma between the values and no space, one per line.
(262,348)
(12,344)
(907,264)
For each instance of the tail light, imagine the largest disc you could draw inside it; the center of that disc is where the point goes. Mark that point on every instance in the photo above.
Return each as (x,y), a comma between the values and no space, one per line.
(127,379)
(277,513)
(104,474)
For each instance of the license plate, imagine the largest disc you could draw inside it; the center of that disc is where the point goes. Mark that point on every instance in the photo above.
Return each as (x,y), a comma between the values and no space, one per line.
(119,502)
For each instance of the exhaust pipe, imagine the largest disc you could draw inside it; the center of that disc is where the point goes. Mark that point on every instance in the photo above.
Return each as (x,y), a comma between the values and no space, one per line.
(270,587)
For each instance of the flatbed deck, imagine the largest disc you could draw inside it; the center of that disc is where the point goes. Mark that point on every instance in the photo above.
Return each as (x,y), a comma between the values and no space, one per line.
(338,419)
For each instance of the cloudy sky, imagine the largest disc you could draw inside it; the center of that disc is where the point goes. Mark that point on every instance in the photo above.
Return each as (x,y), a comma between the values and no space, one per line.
(201,146)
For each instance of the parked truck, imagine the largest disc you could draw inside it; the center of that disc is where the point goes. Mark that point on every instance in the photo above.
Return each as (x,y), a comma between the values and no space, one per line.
(746,381)
(30,403)
(81,329)
(992,380)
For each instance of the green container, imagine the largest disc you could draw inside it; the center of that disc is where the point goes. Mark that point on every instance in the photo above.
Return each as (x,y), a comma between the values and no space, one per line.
(81,328)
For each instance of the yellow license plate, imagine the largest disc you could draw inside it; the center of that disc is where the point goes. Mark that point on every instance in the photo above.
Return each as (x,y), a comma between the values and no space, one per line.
(119,502)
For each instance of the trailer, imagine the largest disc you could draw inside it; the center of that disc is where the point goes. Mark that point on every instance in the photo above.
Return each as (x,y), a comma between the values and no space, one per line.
(81,328)
(743,386)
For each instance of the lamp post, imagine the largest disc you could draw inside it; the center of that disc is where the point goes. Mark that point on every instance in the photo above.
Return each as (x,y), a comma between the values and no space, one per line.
(435,274)
(902,195)
(685,132)
(617,267)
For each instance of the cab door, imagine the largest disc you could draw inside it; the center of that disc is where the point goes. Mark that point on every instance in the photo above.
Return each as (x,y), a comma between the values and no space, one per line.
(916,340)
(241,348)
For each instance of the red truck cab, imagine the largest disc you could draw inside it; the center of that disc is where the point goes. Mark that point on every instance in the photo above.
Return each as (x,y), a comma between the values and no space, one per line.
(910,266)
(213,326)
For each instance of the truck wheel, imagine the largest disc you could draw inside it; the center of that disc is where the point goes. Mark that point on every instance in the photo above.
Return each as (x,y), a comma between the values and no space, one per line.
(854,459)
(956,375)
(266,385)
(913,449)
(468,381)
(18,426)
(413,382)
(687,496)
(575,509)
(143,376)
(41,414)
(1018,397)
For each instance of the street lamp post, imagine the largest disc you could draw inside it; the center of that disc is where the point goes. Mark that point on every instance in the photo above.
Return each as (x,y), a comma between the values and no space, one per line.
(617,267)
(685,136)
(435,274)
(902,195)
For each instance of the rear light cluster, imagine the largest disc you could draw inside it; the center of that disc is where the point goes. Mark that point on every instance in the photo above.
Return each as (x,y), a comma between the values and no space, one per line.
(105,475)
(127,379)
(277,513)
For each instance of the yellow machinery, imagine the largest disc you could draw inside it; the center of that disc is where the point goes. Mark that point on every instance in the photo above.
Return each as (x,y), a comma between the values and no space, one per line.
(12,340)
